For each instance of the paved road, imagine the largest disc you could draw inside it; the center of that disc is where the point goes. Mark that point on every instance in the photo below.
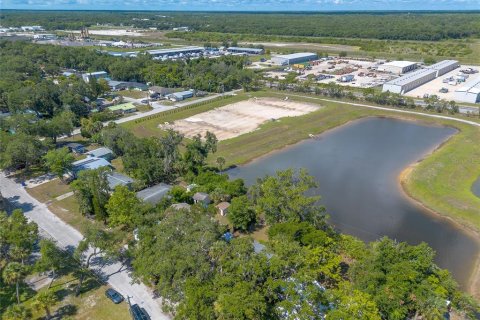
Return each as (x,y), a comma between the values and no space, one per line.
(68,238)
(162,109)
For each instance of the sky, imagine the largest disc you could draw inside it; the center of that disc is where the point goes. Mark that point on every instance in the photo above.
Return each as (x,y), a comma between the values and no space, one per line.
(242,5)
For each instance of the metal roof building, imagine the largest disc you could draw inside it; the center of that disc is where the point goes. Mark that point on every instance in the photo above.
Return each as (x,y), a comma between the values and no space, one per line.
(398,67)
(97,75)
(154,194)
(101,152)
(245,50)
(89,163)
(409,81)
(444,66)
(288,59)
(117,179)
(175,51)
(469,93)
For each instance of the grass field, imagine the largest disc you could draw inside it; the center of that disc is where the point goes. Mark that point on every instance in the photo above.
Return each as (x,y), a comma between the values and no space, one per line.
(133,94)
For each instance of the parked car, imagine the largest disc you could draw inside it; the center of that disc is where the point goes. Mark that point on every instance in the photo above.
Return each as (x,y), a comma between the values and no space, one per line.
(139,313)
(114,296)
(443,90)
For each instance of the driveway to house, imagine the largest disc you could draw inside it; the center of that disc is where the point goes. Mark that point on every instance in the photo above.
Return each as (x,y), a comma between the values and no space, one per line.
(68,238)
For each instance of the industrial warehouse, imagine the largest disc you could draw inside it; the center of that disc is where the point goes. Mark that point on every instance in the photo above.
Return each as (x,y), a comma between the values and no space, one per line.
(410,81)
(175,51)
(469,93)
(245,50)
(398,67)
(417,78)
(289,59)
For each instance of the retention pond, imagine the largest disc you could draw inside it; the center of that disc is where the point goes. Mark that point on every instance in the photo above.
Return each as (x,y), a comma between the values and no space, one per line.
(357,167)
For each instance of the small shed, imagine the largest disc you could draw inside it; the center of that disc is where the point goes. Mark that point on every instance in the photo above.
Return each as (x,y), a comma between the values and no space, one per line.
(102,152)
(154,194)
(182,95)
(223,208)
(117,179)
(76,147)
(202,198)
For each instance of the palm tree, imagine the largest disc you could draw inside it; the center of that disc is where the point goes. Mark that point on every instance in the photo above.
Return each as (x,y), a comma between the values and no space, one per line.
(13,274)
(44,300)
(17,312)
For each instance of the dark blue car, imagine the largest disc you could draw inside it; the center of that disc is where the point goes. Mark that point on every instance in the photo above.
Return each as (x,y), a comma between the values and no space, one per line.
(114,296)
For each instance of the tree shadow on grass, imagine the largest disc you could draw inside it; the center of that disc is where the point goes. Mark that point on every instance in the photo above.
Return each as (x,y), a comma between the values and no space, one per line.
(68,310)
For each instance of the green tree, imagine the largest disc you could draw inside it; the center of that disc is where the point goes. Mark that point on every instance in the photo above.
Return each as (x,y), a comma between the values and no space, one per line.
(352,304)
(220,162)
(59,161)
(14,274)
(96,241)
(241,213)
(122,207)
(44,301)
(59,125)
(90,128)
(92,192)
(282,198)
(21,236)
(20,151)
(17,312)
(51,259)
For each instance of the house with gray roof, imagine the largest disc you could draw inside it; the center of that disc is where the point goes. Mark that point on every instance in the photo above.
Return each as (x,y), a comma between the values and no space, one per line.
(202,198)
(117,179)
(102,152)
(154,194)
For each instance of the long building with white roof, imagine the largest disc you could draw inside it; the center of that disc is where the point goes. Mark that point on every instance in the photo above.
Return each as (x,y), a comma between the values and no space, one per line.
(398,67)
(469,93)
(444,66)
(288,59)
(175,51)
(410,81)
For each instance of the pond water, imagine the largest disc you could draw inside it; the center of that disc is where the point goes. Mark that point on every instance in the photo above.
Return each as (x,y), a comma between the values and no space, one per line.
(476,187)
(357,167)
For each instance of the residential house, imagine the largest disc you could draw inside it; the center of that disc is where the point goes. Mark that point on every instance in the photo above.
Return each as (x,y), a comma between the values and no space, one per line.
(123,108)
(117,179)
(124,85)
(223,208)
(159,92)
(97,75)
(154,194)
(182,95)
(202,198)
(102,152)
(89,163)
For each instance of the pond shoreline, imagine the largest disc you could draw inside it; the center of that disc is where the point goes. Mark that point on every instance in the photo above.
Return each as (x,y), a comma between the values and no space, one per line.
(474,282)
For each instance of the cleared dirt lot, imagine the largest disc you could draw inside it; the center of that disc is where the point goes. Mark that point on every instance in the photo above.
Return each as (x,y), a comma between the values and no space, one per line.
(238,118)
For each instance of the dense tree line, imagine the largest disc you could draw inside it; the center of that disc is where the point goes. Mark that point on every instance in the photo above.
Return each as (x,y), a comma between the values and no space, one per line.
(306,269)
(378,25)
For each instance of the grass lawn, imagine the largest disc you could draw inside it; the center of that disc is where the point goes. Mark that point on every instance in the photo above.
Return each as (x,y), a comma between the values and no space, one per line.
(49,191)
(69,211)
(133,94)
(144,108)
(90,304)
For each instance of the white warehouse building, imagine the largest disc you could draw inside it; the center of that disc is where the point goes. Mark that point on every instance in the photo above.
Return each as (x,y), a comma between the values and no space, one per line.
(444,66)
(469,93)
(398,67)
(293,58)
(410,81)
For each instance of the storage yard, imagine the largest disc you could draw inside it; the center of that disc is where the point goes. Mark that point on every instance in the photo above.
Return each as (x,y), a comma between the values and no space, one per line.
(238,118)
(446,85)
(343,71)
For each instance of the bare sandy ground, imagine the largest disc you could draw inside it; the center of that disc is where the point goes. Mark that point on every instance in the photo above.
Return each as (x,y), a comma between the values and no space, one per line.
(238,118)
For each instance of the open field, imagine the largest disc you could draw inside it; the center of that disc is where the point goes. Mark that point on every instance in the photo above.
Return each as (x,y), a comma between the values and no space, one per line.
(240,117)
